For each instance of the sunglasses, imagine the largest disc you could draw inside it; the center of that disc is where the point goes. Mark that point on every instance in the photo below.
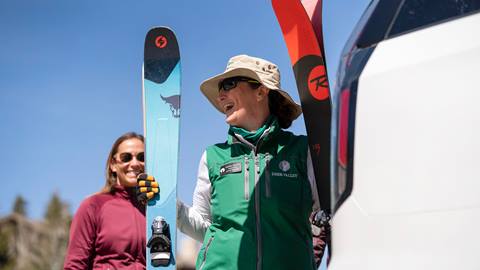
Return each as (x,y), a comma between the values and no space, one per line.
(230,83)
(127,157)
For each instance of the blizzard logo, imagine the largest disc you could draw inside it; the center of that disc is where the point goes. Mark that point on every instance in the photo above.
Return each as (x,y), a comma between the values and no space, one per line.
(161,42)
(174,102)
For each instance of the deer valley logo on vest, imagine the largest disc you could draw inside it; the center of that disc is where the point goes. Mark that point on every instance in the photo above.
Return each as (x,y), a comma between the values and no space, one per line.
(284,166)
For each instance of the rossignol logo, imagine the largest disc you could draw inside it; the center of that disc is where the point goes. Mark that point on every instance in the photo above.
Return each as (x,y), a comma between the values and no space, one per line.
(284,166)
(318,83)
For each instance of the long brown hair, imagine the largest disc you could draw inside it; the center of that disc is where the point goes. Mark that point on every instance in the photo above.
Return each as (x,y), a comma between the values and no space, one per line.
(281,108)
(111,177)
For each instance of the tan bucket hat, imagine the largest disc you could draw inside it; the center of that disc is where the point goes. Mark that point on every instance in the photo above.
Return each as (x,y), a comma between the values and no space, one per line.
(258,69)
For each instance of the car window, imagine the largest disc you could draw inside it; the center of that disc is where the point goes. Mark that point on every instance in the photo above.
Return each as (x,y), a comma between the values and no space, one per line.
(419,13)
(376,22)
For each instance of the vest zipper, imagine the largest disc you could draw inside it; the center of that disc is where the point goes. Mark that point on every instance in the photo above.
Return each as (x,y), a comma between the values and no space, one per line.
(268,191)
(205,252)
(257,214)
(256,191)
(246,179)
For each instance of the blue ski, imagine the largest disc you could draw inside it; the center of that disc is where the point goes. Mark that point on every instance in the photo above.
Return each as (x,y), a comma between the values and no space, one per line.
(161,104)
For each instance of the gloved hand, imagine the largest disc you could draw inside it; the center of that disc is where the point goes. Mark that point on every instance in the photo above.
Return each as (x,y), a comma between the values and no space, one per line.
(321,219)
(321,232)
(147,187)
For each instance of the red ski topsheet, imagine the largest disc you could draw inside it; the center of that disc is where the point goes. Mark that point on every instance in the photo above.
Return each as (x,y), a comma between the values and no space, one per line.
(314,11)
(296,27)
(305,47)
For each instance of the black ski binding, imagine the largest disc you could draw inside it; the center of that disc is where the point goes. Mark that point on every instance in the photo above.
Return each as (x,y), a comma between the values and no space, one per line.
(160,243)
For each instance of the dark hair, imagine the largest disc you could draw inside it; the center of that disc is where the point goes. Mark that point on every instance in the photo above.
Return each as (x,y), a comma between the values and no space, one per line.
(111,177)
(281,108)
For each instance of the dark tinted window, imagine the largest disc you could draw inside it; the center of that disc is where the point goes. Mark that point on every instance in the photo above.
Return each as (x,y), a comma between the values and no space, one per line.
(378,22)
(418,13)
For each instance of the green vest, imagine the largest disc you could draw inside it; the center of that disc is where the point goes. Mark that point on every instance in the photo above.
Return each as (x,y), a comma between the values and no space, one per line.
(261,201)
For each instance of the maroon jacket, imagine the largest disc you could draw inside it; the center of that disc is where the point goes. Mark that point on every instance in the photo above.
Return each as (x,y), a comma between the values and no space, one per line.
(108,232)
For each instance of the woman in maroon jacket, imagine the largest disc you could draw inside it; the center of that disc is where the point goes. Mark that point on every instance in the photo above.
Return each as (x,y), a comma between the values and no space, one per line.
(108,229)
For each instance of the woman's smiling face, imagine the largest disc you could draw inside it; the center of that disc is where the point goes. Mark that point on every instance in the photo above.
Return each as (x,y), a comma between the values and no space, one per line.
(127,171)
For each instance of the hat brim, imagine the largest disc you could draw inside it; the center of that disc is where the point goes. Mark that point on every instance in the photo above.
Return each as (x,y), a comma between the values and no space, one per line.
(209,87)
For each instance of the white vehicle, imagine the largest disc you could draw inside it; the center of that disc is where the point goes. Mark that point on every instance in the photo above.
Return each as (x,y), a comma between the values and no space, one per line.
(406,178)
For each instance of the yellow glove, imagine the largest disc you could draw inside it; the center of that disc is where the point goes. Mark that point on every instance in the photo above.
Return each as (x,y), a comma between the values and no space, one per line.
(147,187)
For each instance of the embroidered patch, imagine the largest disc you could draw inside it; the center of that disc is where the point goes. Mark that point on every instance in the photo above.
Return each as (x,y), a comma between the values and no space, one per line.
(284,165)
(234,167)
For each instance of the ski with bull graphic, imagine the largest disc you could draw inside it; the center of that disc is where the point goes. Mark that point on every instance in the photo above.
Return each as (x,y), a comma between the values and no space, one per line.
(301,25)
(161,105)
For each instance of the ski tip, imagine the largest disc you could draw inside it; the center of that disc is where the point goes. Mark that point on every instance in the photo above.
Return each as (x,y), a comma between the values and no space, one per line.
(161,54)
(160,38)
(297,29)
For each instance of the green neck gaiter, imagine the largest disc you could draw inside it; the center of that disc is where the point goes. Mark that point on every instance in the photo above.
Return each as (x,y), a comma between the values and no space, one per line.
(253,136)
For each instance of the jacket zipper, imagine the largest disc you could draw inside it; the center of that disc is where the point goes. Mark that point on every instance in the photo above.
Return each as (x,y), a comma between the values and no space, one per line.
(268,191)
(205,252)
(246,179)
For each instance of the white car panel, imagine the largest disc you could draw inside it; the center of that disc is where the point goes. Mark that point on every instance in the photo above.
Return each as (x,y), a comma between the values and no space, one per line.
(415,202)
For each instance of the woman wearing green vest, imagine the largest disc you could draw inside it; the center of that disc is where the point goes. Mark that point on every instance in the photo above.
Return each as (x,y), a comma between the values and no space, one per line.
(255,191)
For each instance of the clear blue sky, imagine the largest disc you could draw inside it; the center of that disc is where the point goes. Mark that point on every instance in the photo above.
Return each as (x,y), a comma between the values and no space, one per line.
(70,82)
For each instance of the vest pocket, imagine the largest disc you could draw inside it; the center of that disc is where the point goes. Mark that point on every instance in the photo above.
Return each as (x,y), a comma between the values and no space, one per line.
(268,184)
(230,181)
(246,179)
(284,184)
(205,252)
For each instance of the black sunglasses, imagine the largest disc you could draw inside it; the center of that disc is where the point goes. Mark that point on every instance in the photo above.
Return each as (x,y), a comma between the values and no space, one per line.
(230,83)
(127,157)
